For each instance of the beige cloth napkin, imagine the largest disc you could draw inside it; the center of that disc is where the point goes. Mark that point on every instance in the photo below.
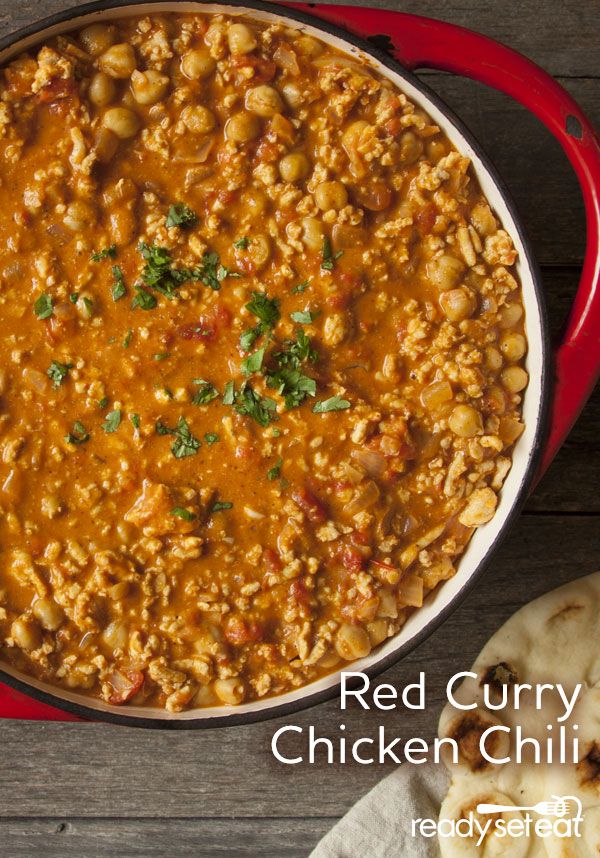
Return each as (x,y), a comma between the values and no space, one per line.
(379,825)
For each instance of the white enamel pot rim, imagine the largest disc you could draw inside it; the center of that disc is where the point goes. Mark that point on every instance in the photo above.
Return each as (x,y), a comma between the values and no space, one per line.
(486,540)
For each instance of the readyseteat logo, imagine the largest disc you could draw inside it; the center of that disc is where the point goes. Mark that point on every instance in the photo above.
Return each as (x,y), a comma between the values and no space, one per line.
(559,817)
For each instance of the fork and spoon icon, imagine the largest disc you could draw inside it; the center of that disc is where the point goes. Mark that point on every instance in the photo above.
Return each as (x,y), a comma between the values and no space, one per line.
(558,807)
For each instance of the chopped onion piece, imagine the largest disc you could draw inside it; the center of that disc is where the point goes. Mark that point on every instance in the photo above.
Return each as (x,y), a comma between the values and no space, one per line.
(410,591)
(373,462)
(366,497)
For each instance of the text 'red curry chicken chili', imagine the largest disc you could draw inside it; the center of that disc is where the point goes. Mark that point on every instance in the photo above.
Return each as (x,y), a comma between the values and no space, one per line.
(260,362)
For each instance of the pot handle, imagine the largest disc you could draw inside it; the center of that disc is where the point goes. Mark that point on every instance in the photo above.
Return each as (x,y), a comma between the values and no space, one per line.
(418,42)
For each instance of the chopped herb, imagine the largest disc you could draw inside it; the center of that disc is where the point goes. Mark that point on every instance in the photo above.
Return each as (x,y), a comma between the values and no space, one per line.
(89,306)
(57,372)
(229,394)
(112,422)
(182,512)
(143,299)
(185,443)
(241,243)
(78,435)
(248,338)
(249,403)
(74,297)
(300,288)
(302,317)
(127,338)
(264,308)
(276,432)
(219,505)
(162,355)
(211,272)
(102,403)
(253,362)
(206,392)
(273,473)
(296,352)
(334,403)
(211,438)
(158,274)
(135,419)
(43,306)
(118,288)
(181,215)
(103,254)
(329,258)
(168,392)
(292,385)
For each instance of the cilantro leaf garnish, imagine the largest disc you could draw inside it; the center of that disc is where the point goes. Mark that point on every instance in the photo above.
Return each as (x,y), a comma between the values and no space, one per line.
(296,352)
(292,385)
(206,392)
(185,443)
(302,317)
(127,338)
(211,272)
(104,253)
(334,403)
(112,421)
(43,306)
(264,308)
(181,215)
(248,403)
(182,512)
(135,419)
(329,257)
(74,297)
(219,505)
(300,288)
(211,438)
(143,299)
(274,472)
(249,337)
(57,372)
(253,362)
(241,243)
(162,355)
(229,394)
(118,287)
(102,403)
(78,435)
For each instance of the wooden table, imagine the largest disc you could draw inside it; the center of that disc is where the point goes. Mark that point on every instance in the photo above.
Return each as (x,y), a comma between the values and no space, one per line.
(93,790)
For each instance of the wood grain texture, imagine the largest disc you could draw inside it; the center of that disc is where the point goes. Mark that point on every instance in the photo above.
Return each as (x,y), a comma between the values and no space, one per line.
(92,790)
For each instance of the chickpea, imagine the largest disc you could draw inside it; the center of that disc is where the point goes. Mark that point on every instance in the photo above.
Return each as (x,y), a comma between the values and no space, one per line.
(465,421)
(118,61)
(263,101)
(312,233)
(79,216)
(230,691)
(149,87)
(308,46)
(378,631)
(444,271)
(121,121)
(102,90)
(105,145)
(514,379)
(510,315)
(512,346)
(242,127)
(259,251)
(255,201)
(294,167)
(353,133)
(50,615)
(352,642)
(411,147)
(292,94)
(457,304)
(241,39)
(197,64)
(331,195)
(198,119)
(97,38)
(493,358)
(26,633)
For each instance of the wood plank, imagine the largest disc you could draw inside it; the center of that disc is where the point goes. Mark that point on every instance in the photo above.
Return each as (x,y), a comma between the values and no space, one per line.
(564,42)
(53,770)
(197,838)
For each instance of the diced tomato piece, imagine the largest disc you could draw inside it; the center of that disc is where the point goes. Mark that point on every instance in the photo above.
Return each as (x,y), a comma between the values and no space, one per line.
(352,559)
(383,565)
(239,631)
(299,592)
(425,219)
(272,560)
(267,151)
(58,88)
(264,70)
(208,327)
(310,505)
(394,126)
(125,685)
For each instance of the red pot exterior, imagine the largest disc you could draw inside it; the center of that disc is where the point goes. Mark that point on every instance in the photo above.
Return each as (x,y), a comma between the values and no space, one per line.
(418,42)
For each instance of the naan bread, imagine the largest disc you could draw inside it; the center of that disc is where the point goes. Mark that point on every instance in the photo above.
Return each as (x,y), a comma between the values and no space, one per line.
(555,639)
